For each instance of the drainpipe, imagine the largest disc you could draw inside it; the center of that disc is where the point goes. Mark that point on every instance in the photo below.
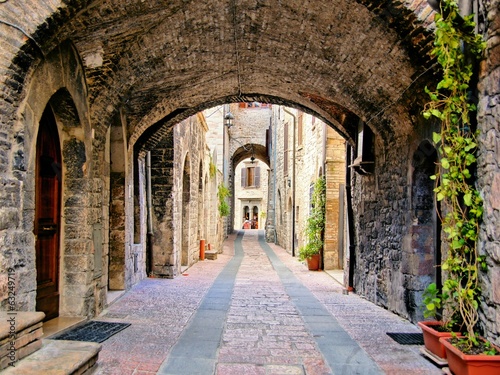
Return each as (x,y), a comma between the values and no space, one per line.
(324,149)
(149,239)
(293,179)
(274,183)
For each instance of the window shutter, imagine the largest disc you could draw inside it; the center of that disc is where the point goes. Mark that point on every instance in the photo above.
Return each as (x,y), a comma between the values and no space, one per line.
(243,177)
(257,177)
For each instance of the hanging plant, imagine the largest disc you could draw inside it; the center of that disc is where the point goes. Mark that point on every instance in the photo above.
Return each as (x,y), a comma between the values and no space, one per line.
(315,227)
(223,193)
(456,143)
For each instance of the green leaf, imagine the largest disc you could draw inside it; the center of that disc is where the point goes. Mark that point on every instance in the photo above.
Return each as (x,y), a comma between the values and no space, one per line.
(468,199)
(436,137)
(445,163)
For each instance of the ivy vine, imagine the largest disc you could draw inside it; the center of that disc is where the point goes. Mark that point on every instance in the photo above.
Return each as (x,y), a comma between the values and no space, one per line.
(457,48)
(223,193)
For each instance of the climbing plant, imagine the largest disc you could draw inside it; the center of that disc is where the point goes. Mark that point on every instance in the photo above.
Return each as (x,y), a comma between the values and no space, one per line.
(315,226)
(457,48)
(222,193)
(212,168)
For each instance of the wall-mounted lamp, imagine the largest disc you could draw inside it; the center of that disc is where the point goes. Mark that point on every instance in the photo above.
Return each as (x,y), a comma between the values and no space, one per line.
(252,159)
(435,4)
(228,120)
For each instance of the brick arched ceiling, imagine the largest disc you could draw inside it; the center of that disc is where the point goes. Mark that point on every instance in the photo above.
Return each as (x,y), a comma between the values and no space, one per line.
(160,61)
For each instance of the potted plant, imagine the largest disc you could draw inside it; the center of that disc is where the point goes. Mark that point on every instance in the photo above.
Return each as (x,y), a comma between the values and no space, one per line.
(457,146)
(442,325)
(315,227)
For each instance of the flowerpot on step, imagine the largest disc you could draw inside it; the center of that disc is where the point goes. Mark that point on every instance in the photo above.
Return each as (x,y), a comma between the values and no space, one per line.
(460,363)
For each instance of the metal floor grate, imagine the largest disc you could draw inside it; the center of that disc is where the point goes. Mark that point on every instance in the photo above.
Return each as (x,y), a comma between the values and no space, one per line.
(93,331)
(407,338)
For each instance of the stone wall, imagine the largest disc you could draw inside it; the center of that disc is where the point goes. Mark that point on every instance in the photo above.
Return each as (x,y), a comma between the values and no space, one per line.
(178,228)
(334,251)
(489,173)
(320,151)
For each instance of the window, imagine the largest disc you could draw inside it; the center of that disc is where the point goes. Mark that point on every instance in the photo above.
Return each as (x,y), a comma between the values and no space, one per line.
(365,153)
(250,177)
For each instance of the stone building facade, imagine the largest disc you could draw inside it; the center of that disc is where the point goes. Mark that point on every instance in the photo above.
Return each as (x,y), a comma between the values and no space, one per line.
(250,194)
(112,78)
(248,161)
(184,198)
(304,148)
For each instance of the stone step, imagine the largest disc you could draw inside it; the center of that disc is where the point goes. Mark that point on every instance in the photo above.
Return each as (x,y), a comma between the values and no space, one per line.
(211,254)
(59,357)
(20,335)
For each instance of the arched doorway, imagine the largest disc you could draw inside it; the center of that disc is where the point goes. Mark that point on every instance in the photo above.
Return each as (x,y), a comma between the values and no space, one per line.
(426,229)
(47,215)
(255,217)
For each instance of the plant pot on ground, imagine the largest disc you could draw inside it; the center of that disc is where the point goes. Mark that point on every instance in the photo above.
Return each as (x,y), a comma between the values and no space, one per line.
(315,226)
(313,262)
(432,331)
(482,362)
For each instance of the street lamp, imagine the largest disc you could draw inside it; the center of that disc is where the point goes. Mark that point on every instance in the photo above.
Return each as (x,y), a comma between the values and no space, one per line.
(228,119)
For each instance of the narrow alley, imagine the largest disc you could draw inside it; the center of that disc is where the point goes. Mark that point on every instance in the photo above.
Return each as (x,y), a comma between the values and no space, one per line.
(254,310)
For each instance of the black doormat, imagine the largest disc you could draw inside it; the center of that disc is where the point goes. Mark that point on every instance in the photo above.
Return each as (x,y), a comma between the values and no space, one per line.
(93,331)
(407,338)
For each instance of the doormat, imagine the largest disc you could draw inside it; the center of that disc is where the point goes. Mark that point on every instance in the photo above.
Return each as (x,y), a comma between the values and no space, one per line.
(93,331)
(407,338)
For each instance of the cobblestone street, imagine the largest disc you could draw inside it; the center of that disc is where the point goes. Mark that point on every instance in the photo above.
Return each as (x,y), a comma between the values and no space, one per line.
(254,310)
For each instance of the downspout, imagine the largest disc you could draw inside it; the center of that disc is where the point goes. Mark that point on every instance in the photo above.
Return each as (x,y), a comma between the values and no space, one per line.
(293,179)
(149,238)
(324,149)
(324,176)
(274,183)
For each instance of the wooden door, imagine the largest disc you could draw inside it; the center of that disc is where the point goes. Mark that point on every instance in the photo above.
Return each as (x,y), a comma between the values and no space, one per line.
(47,215)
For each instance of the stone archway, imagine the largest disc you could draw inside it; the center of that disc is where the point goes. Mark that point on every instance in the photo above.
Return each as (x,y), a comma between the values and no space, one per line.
(48,184)
(81,242)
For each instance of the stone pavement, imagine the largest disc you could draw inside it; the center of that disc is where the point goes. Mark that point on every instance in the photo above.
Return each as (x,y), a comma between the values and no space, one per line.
(254,310)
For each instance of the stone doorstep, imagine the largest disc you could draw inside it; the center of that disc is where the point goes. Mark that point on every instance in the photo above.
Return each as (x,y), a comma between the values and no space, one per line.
(23,320)
(22,338)
(21,353)
(59,357)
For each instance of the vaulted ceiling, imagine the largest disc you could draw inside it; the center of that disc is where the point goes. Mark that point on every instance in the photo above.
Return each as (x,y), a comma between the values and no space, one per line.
(160,61)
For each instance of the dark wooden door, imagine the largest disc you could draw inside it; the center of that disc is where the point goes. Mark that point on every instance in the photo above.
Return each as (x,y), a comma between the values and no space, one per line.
(47,215)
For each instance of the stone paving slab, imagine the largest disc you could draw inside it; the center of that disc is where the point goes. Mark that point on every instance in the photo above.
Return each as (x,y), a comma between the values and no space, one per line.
(264,329)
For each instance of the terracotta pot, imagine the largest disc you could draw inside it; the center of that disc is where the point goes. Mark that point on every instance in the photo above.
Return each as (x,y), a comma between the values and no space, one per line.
(431,337)
(313,262)
(470,364)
